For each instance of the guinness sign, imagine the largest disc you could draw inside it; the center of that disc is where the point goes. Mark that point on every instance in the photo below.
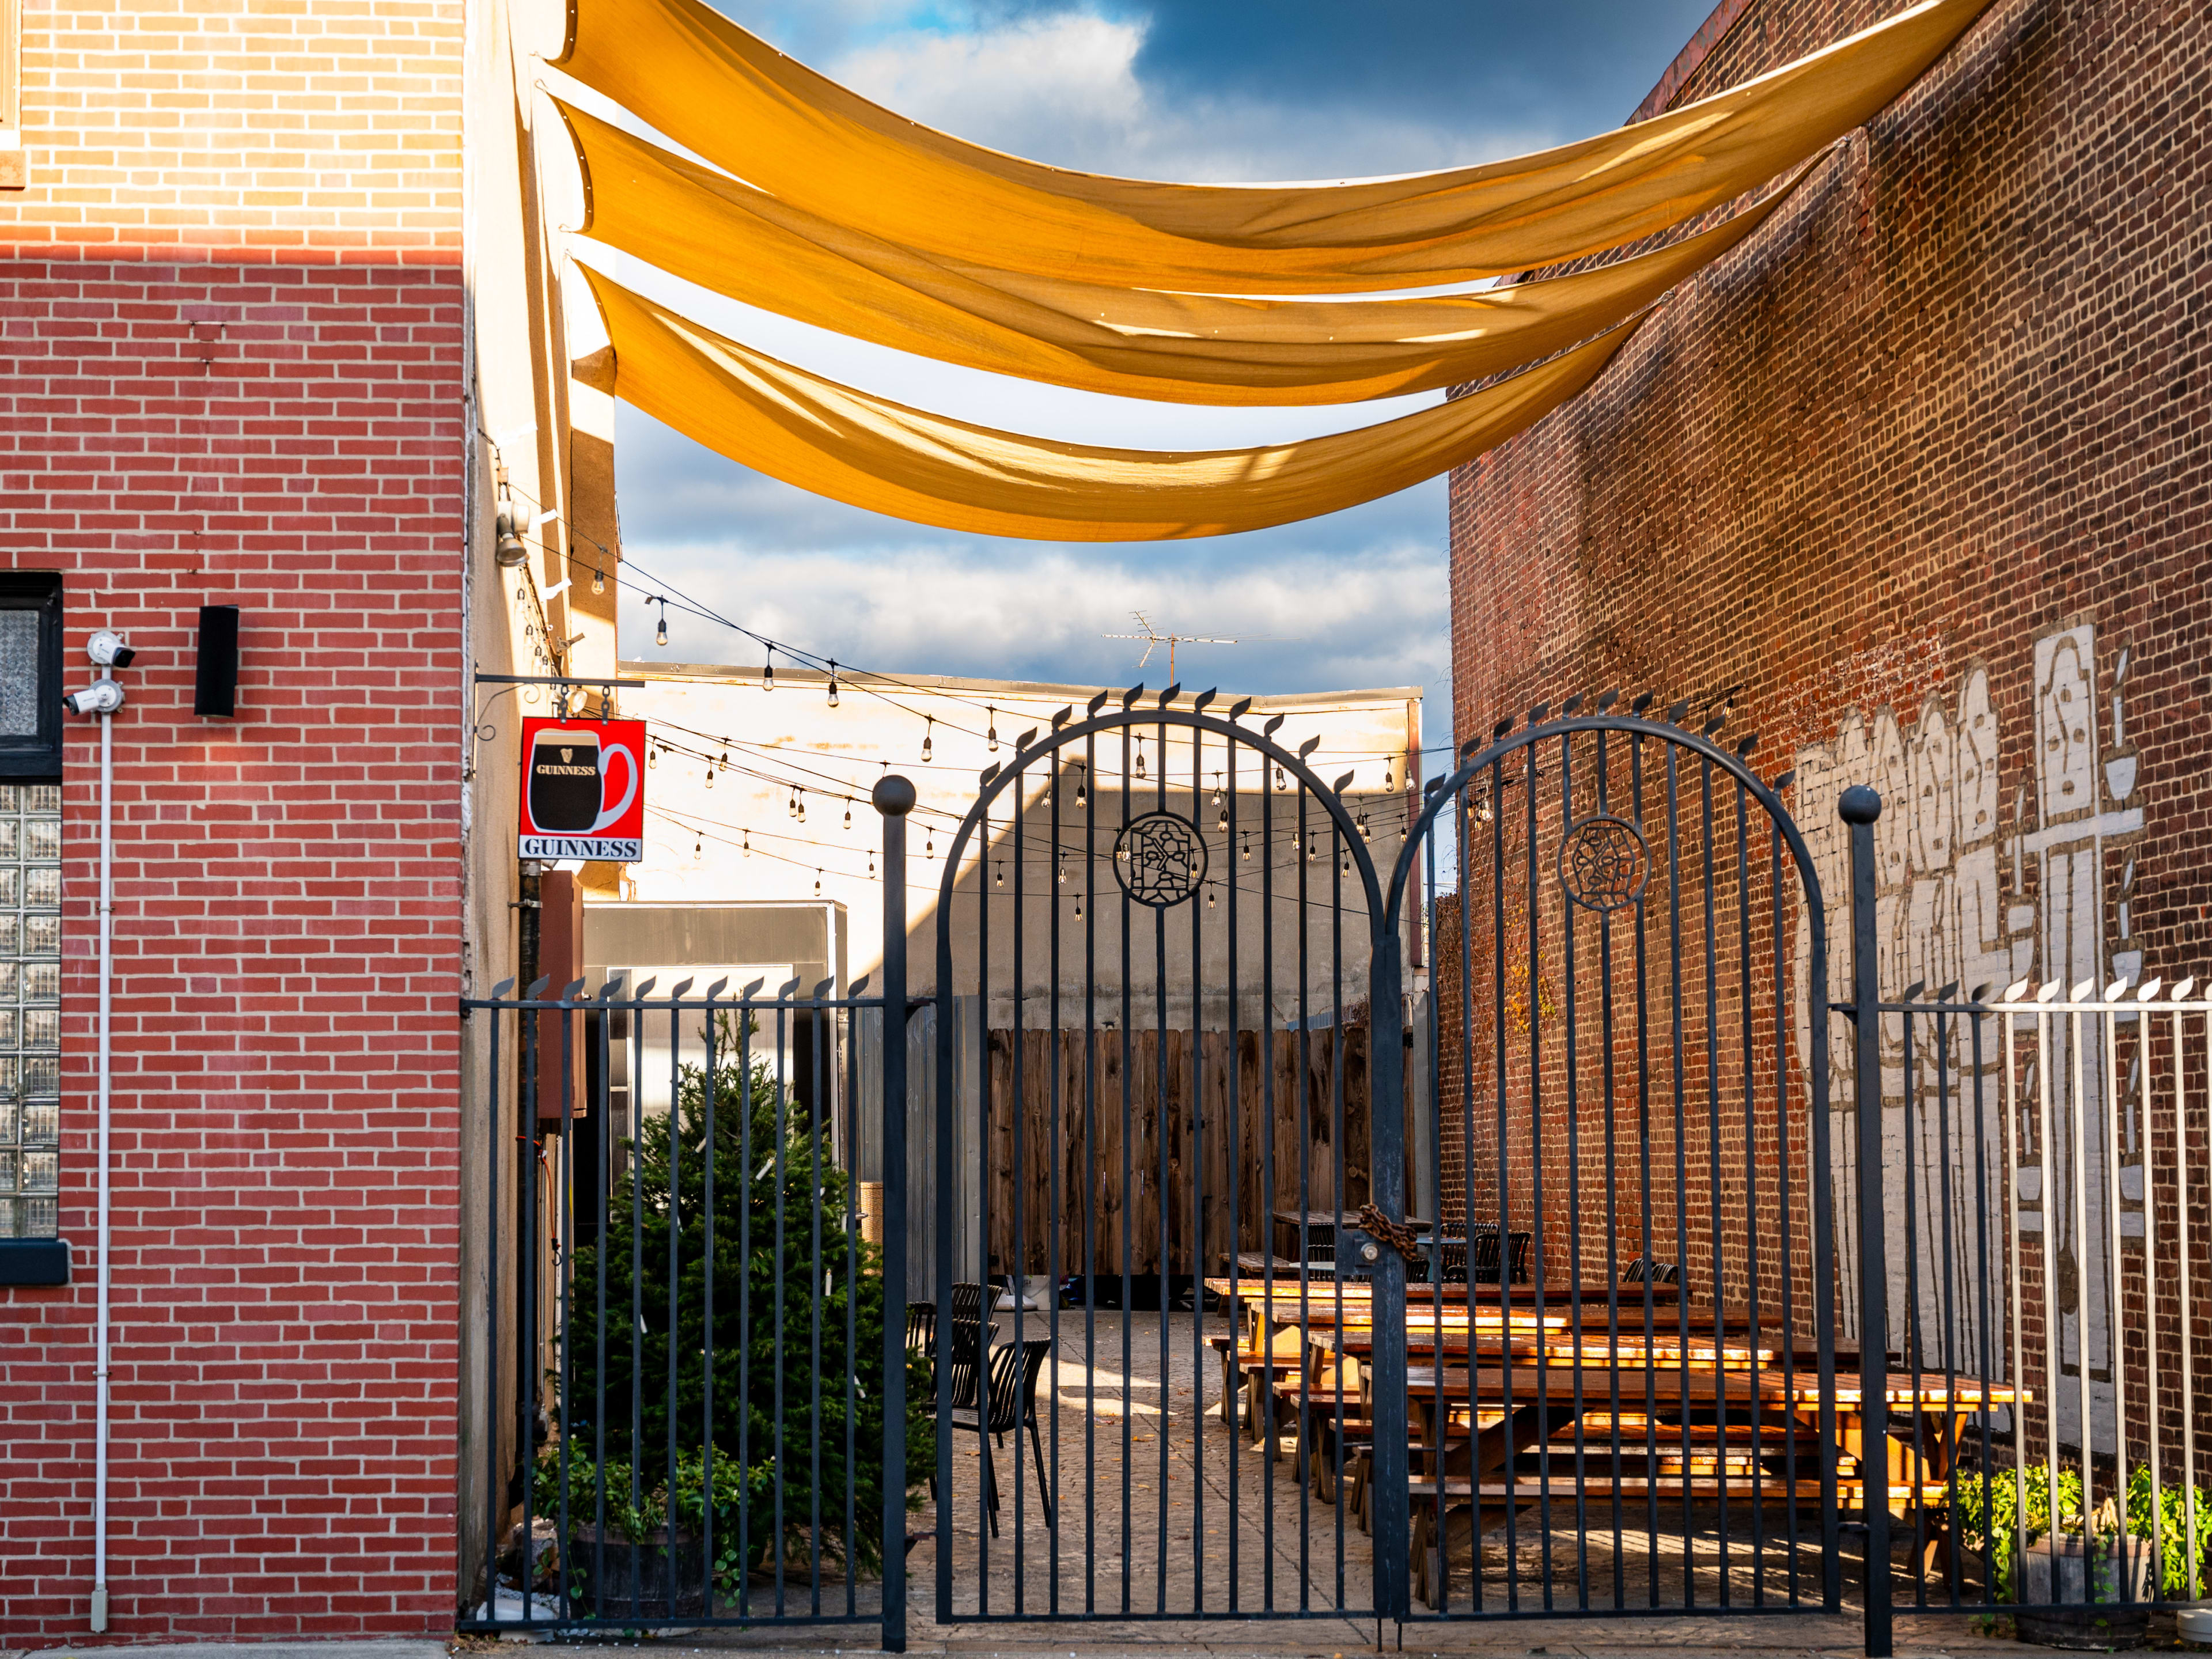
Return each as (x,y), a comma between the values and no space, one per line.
(583,789)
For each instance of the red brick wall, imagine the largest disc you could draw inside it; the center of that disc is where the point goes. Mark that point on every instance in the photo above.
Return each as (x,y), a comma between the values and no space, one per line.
(1950,406)
(232,308)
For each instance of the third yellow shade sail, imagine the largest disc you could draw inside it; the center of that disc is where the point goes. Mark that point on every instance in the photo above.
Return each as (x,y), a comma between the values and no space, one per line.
(1131,343)
(873,454)
(725,95)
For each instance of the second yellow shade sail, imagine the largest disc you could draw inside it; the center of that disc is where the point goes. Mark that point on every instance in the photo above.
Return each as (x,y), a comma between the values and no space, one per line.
(1131,343)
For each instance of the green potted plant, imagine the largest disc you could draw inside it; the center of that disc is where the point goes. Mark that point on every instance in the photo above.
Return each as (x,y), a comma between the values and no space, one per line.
(780,1412)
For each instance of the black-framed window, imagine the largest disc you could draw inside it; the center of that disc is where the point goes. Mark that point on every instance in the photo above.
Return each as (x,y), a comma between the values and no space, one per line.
(31,676)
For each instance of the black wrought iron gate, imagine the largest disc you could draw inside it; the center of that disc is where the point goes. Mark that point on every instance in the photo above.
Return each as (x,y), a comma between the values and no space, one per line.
(1338,1203)
(1174,1237)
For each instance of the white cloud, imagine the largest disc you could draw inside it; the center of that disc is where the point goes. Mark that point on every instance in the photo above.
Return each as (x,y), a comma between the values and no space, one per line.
(1315,622)
(1062,87)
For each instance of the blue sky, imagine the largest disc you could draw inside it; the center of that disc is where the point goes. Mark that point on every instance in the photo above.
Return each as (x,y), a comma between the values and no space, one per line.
(1295,89)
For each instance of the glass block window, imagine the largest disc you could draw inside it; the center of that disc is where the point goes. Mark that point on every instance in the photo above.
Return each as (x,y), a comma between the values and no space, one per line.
(30,1009)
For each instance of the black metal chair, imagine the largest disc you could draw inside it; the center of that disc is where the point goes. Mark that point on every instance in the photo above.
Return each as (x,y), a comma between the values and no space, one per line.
(921,1338)
(1657,1273)
(1010,1406)
(1483,1256)
(969,1340)
(1518,1256)
(968,1304)
(1451,1260)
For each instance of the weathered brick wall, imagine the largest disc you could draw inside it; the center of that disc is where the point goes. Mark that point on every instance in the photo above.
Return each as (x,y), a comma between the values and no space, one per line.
(1916,484)
(232,307)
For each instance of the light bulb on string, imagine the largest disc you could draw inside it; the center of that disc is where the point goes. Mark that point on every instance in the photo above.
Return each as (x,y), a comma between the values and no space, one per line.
(767,674)
(651,756)
(993,734)
(1082,790)
(1344,860)
(802,806)
(1281,783)
(1079,907)
(660,632)
(1248,847)
(928,735)
(1209,896)
(790,805)
(710,774)
(817,883)
(1063,870)
(929,847)
(833,681)
(1221,819)
(1217,788)
(871,864)
(599,577)
(1141,757)
(848,815)
(1002,872)
(748,843)
(1364,833)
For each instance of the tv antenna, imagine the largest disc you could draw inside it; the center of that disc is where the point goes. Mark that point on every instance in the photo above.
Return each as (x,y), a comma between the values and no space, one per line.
(1154,639)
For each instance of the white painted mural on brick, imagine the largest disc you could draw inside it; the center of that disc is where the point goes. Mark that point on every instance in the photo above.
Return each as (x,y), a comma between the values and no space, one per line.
(1981,881)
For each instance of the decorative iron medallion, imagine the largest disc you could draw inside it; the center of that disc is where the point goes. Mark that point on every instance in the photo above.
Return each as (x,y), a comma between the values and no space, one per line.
(1160,859)
(1603,863)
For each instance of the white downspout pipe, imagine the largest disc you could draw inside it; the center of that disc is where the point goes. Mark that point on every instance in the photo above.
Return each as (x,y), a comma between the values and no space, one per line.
(100,1336)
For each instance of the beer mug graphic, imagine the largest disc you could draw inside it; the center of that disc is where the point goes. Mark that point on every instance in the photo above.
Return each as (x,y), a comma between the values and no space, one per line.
(569,782)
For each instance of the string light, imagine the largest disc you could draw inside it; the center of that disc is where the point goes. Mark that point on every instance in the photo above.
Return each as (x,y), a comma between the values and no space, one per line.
(710,774)
(928,733)
(833,681)
(1248,847)
(1344,860)
(1217,788)
(698,847)
(929,847)
(1082,792)
(848,817)
(1209,896)
(1365,834)
(1002,872)
(1079,907)
(1221,819)
(1280,782)
(599,576)
(817,883)
(1140,754)
(1063,869)
(871,864)
(802,806)
(661,633)
(993,734)
(651,756)
(748,843)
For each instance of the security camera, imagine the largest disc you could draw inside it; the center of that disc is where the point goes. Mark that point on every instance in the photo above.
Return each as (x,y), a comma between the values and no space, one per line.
(102,697)
(107,650)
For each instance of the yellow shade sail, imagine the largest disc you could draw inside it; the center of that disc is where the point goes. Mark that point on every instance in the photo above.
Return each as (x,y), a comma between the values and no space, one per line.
(728,96)
(1139,343)
(873,454)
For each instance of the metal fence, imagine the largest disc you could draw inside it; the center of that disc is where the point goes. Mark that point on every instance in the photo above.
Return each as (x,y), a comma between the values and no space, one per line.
(695,1403)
